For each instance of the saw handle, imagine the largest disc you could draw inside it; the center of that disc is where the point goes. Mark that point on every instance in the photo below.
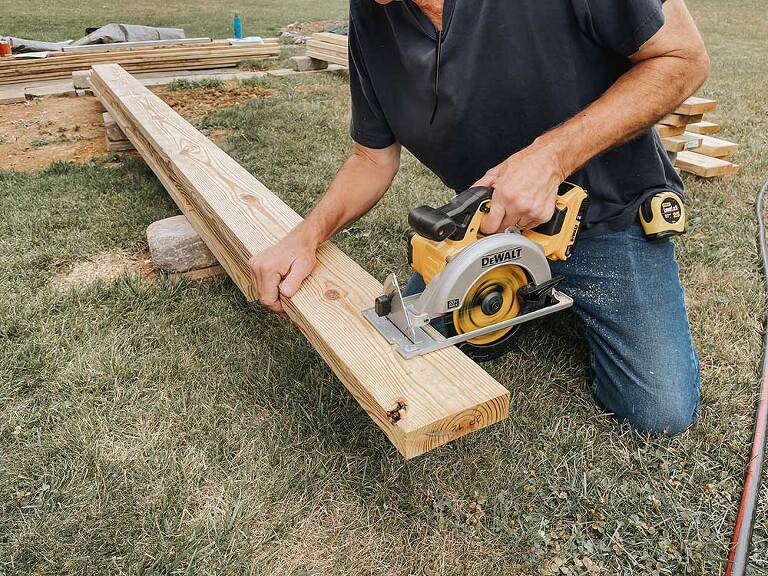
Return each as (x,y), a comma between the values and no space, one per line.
(452,220)
(557,236)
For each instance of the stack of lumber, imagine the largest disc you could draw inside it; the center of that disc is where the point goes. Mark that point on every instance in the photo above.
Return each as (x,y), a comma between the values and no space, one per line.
(328,47)
(420,403)
(217,54)
(688,136)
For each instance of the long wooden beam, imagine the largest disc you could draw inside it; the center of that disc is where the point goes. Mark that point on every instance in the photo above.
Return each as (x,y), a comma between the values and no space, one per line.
(420,403)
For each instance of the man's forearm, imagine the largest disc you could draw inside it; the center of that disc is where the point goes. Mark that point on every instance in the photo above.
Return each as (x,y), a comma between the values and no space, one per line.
(648,91)
(360,183)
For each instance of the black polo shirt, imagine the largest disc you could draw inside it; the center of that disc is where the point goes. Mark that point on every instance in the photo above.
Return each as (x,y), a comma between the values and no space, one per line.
(509,70)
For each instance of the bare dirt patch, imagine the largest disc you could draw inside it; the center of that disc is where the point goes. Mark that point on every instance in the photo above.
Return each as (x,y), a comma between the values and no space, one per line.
(39,132)
(107,266)
(338,25)
(195,102)
(35,134)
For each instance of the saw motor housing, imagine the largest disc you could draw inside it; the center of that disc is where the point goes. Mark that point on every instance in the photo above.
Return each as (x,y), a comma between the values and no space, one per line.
(438,234)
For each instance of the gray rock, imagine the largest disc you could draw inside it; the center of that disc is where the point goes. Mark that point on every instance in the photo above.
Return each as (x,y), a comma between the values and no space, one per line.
(176,247)
(305,64)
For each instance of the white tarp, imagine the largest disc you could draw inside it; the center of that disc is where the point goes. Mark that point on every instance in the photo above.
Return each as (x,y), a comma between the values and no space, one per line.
(109,34)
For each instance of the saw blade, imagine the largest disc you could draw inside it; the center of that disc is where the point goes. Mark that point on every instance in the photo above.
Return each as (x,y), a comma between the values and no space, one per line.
(491,299)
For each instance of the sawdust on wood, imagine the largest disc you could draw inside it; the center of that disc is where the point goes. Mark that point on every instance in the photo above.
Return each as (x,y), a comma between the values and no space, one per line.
(107,266)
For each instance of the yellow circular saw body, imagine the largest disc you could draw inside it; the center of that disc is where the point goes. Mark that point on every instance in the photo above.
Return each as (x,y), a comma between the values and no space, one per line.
(506,280)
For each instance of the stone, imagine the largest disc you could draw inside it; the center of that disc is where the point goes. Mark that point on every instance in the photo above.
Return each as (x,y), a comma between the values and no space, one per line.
(81,79)
(119,145)
(305,64)
(176,247)
(114,133)
(12,95)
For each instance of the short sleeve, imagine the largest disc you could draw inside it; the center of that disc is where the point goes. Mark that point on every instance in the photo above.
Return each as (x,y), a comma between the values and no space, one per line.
(369,127)
(622,26)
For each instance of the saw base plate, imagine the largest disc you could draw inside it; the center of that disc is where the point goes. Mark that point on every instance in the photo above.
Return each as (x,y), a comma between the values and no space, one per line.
(427,339)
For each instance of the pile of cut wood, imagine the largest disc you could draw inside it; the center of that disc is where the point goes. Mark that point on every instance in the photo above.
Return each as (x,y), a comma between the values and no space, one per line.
(328,47)
(688,138)
(152,58)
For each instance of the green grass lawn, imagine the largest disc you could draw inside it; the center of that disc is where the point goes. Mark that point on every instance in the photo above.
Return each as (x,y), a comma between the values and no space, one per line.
(40,20)
(157,427)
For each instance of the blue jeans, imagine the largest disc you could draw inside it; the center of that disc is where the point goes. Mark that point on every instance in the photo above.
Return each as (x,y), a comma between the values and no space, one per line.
(631,306)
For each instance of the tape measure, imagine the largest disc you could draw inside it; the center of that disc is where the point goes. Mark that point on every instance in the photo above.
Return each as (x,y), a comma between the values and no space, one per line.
(663,215)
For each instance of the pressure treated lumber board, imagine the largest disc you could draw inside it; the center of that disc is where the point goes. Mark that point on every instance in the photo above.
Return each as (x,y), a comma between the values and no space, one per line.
(331,38)
(715,147)
(695,105)
(328,48)
(328,58)
(419,403)
(704,166)
(667,131)
(682,142)
(703,127)
(680,119)
(117,46)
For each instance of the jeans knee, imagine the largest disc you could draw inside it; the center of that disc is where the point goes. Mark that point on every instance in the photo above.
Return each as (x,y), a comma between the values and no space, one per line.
(665,407)
(668,418)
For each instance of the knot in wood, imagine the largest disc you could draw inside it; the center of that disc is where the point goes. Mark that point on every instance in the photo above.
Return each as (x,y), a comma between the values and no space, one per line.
(332,294)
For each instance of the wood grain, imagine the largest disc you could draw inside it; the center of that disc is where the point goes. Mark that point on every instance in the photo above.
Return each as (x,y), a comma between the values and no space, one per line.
(419,404)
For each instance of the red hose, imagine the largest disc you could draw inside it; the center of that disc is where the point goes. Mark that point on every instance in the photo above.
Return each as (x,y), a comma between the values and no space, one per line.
(742,533)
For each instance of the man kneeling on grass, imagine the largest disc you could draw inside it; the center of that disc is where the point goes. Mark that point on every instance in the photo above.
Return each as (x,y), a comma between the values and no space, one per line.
(520,96)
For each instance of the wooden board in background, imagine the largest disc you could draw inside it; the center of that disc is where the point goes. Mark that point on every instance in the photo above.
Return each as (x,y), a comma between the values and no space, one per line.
(715,147)
(703,127)
(681,142)
(327,57)
(704,166)
(680,119)
(420,403)
(90,48)
(667,131)
(695,105)
(338,39)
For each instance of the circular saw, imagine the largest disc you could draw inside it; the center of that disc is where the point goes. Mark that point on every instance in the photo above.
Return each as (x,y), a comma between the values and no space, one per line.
(480,290)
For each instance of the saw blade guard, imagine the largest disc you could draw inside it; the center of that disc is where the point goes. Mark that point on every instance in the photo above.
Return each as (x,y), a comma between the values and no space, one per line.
(448,290)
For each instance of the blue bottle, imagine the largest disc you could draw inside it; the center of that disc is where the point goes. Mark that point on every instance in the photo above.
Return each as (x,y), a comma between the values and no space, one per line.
(238,27)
